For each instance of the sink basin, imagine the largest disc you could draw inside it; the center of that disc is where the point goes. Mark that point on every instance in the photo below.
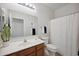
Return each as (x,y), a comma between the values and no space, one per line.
(21,43)
(24,44)
(28,42)
(13,44)
(32,40)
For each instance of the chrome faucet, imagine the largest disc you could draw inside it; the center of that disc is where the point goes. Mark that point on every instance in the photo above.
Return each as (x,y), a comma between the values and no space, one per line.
(25,40)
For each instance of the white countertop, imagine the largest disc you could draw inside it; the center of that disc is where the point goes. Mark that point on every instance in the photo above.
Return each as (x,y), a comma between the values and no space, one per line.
(17,44)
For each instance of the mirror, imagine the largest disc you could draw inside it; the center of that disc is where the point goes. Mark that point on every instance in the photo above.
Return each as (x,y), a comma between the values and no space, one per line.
(21,24)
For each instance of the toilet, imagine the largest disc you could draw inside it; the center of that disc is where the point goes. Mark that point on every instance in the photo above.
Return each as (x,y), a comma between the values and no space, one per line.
(50,48)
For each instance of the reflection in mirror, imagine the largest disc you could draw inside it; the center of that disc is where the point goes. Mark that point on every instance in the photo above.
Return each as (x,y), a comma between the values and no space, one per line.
(1,22)
(21,23)
(45,29)
(33,31)
(17,27)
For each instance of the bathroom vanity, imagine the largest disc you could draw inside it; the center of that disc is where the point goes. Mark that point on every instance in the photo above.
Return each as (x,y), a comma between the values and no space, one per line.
(37,50)
(32,47)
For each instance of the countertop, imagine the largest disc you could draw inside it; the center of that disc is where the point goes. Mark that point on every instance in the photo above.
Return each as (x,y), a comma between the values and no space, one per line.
(17,44)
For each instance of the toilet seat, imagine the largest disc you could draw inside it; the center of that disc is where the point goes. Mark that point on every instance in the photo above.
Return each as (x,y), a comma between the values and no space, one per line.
(51,47)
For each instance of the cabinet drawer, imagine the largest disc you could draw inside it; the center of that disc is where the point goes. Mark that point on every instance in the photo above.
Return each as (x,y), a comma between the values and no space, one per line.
(40,46)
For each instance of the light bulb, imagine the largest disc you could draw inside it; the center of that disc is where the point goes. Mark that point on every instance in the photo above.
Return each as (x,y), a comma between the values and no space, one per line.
(26,4)
(30,5)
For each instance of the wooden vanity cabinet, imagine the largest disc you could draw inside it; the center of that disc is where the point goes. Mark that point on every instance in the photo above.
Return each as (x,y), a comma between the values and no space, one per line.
(40,50)
(37,50)
(27,52)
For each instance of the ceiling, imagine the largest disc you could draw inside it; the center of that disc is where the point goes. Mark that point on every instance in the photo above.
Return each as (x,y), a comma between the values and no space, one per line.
(55,6)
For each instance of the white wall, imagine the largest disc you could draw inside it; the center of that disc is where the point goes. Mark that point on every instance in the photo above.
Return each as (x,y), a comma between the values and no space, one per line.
(44,14)
(66,10)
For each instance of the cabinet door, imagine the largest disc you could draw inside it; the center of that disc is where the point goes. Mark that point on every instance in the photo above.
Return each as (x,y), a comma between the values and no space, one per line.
(32,54)
(40,52)
(27,52)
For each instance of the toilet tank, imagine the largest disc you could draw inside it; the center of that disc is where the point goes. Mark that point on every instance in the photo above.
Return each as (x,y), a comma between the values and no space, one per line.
(45,39)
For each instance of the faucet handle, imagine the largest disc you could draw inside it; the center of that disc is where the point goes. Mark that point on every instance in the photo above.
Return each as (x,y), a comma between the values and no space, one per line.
(25,40)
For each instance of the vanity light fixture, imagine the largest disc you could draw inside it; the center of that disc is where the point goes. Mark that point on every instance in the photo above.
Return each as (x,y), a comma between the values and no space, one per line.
(29,5)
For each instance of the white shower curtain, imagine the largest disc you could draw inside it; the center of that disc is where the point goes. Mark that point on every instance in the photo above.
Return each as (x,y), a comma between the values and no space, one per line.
(64,33)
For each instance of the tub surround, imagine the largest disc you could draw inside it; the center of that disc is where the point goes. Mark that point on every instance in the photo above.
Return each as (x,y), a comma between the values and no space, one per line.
(19,43)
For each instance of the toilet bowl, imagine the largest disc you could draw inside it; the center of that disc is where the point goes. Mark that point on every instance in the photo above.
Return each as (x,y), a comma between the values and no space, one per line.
(50,48)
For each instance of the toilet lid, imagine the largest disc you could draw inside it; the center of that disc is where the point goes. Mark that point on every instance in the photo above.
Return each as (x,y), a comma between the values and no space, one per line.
(50,46)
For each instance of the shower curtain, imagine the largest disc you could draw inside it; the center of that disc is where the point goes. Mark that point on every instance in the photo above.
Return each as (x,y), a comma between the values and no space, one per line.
(64,34)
